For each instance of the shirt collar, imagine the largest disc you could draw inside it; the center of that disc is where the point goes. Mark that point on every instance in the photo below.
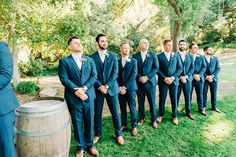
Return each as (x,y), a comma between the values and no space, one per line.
(144,52)
(125,57)
(77,55)
(102,53)
(182,53)
(167,54)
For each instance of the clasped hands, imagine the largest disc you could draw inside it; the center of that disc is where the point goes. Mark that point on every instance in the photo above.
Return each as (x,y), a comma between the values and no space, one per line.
(209,78)
(122,90)
(196,77)
(168,80)
(103,88)
(143,79)
(81,94)
(183,79)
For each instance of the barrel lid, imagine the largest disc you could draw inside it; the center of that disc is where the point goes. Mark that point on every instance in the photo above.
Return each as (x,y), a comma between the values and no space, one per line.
(42,105)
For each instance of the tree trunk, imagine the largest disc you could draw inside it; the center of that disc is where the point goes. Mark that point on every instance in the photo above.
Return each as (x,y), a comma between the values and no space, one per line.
(176,30)
(16,73)
(13,43)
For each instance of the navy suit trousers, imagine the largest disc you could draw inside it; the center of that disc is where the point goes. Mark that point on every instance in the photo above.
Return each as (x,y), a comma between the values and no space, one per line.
(213,90)
(7,146)
(186,88)
(129,98)
(112,102)
(198,85)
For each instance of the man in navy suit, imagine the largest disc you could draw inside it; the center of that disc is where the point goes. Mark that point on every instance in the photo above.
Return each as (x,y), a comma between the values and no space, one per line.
(106,87)
(211,78)
(185,78)
(127,82)
(168,78)
(146,79)
(8,103)
(78,75)
(198,76)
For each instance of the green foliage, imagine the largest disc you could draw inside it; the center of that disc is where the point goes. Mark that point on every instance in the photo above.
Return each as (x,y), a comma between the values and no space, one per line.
(27,87)
(38,68)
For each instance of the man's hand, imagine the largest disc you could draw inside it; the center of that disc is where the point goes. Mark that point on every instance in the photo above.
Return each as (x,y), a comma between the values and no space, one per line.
(196,77)
(103,89)
(79,92)
(168,80)
(143,79)
(183,79)
(122,90)
(84,97)
(209,78)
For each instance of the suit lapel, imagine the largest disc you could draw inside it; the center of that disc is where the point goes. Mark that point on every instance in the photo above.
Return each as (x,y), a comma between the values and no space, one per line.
(83,67)
(99,60)
(146,58)
(74,64)
(140,58)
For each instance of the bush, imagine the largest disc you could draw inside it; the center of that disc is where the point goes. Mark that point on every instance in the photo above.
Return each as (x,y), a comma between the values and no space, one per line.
(27,87)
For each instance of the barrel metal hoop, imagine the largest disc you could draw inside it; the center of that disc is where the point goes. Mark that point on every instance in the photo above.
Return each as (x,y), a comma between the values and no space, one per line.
(39,114)
(34,134)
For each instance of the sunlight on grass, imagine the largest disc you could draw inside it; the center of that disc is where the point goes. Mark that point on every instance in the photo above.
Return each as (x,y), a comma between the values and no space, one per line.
(218,128)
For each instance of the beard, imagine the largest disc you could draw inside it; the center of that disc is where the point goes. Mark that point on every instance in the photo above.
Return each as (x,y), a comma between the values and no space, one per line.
(182,49)
(102,47)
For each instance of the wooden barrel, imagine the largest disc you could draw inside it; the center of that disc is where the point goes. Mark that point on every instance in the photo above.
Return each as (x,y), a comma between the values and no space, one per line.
(43,128)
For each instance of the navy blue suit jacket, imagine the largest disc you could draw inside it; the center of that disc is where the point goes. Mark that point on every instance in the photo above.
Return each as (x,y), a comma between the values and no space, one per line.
(107,72)
(7,96)
(169,68)
(200,66)
(188,66)
(148,68)
(127,74)
(213,68)
(72,77)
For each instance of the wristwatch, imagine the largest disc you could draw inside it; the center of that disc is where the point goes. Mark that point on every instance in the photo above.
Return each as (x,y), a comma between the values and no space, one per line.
(85,88)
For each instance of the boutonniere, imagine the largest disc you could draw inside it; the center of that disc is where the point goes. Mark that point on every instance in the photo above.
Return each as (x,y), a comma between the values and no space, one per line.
(172,54)
(128,60)
(83,59)
(107,55)
(147,55)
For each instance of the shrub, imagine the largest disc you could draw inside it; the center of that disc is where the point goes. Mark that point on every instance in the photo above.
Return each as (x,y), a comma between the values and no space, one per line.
(27,87)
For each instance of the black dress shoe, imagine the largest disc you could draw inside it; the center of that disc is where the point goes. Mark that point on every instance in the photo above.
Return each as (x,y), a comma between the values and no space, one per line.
(203,112)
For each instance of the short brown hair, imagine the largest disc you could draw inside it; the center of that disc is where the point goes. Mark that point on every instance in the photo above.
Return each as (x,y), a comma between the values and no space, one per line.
(192,44)
(167,41)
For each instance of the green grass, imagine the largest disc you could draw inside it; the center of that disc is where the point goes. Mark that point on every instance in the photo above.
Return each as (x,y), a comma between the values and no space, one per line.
(214,135)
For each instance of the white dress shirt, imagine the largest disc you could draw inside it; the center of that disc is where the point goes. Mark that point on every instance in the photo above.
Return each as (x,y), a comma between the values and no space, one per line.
(194,57)
(143,55)
(182,54)
(167,55)
(102,55)
(208,58)
(123,60)
(77,57)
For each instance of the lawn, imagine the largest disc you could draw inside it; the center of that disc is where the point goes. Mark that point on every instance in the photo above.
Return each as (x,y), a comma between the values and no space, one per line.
(213,135)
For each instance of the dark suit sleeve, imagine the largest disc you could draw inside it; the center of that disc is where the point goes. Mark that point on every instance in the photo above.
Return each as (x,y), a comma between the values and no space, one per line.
(217,69)
(6,66)
(155,68)
(93,75)
(204,66)
(114,73)
(64,77)
(133,75)
(191,69)
(159,73)
(179,68)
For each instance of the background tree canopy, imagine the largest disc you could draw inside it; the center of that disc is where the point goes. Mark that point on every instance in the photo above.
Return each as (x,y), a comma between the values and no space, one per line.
(39,29)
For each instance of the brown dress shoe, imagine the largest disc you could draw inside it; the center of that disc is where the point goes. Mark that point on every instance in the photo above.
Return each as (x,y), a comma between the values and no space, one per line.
(190,116)
(175,121)
(141,122)
(123,128)
(79,153)
(120,140)
(159,119)
(216,109)
(154,125)
(203,112)
(93,151)
(134,131)
(96,139)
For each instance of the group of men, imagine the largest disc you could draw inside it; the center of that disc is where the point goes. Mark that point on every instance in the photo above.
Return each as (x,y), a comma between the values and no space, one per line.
(88,80)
